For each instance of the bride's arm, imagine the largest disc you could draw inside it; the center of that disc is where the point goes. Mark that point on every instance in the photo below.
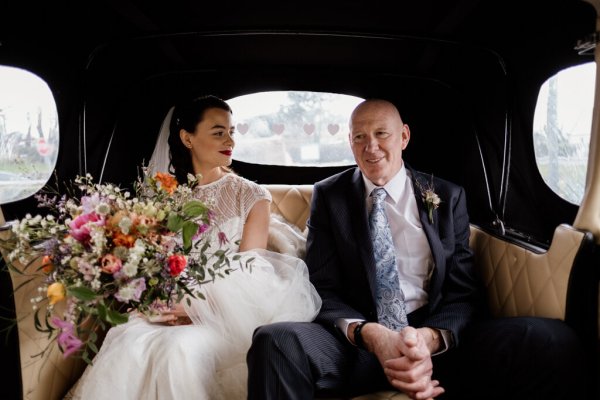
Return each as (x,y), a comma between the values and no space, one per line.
(256,228)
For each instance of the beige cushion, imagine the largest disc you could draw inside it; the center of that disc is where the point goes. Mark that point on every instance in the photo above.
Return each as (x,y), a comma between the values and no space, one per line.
(521,282)
(291,201)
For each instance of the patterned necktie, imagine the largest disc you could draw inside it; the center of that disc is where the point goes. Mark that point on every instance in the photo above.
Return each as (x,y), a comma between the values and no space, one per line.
(391,310)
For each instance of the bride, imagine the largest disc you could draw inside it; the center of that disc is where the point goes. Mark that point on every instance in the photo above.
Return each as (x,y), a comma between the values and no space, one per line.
(198,351)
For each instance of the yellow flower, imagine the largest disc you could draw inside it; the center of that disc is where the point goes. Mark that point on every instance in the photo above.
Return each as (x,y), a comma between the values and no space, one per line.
(56,292)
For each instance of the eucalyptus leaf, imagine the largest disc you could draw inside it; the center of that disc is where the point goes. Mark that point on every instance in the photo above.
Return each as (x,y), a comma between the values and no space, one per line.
(102,311)
(115,317)
(194,208)
(175,222)
(189,230)
(81,292)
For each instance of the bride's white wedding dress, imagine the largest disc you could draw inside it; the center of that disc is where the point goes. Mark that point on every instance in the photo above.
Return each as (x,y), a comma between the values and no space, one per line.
(205,360)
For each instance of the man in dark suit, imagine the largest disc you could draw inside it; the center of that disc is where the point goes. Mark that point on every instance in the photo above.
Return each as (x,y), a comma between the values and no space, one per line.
(352,347)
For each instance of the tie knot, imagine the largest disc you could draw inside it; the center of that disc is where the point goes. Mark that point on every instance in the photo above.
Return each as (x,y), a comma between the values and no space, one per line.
(378,195)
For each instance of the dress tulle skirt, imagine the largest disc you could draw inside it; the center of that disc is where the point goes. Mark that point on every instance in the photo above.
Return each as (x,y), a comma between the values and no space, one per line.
(206,360)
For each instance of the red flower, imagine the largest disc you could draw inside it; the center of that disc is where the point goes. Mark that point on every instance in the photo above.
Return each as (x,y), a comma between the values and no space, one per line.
(177,263)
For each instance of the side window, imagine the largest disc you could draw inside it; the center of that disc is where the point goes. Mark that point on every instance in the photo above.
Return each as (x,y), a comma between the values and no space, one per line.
(28,134)
(293,128)
(561,130)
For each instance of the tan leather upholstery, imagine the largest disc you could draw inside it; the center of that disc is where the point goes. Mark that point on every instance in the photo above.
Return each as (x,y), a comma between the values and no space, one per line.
(519,282)
(292,202)
(42,378)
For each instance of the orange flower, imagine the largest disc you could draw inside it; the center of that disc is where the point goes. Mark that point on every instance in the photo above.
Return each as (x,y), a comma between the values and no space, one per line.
(47,265)
(167,182)
(113,222)
(56,292)
(120,239)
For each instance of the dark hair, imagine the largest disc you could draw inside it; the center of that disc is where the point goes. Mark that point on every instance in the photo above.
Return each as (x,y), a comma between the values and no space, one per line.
(187,115)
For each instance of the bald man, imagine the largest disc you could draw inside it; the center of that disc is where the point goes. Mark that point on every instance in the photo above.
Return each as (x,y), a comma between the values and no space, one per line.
(442,346)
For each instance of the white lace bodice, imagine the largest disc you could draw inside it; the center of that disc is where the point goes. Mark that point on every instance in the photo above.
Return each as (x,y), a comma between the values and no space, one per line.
(231,198)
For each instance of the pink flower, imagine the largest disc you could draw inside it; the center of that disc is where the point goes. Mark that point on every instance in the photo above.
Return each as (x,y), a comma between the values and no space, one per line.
(87,270)
(89,203)
(168,242)
(80,226)
(110,264)
(177,263)
(210,215)
(67,340)
(201,229)
(222,238)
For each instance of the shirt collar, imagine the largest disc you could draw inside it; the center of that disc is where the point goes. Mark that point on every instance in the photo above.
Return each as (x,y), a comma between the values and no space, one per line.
(394,187)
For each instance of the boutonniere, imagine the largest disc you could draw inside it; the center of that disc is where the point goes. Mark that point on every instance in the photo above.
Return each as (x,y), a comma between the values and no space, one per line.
(429,197)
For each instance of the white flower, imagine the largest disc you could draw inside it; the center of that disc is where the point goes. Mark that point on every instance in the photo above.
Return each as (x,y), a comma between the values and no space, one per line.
(125,223)
(130,269)
(102,209)
(430,198)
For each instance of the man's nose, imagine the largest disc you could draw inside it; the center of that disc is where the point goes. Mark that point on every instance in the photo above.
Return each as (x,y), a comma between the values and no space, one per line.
(372,144)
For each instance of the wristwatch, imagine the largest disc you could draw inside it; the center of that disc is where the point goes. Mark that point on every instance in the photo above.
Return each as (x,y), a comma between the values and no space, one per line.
(341,324)
(358,339)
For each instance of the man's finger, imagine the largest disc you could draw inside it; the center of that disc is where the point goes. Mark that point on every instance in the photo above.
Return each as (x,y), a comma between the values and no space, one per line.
(409,336)
(434,390)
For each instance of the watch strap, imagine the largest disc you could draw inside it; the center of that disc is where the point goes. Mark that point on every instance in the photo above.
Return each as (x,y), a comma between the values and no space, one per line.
(358,339)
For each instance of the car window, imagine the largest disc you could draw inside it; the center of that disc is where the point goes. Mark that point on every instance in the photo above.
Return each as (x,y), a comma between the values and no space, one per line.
(293,128)
(561,132)
(28,134)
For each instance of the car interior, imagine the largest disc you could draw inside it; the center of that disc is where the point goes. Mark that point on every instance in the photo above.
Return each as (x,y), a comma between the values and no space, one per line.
(467,76)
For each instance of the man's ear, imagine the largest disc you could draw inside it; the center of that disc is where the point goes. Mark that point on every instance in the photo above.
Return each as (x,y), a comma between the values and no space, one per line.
(405,136)
(185,138)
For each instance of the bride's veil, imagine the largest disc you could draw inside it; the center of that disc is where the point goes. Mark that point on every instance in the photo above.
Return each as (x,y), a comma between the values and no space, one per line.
(160,159)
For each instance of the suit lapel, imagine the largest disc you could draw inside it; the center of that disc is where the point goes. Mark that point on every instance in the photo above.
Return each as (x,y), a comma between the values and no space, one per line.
(433,237)
(358,214)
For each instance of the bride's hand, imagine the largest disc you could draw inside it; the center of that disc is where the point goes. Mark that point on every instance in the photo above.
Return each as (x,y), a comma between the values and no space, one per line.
(175,316)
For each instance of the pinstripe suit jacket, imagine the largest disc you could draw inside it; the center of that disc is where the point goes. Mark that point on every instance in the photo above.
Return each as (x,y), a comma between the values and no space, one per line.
(340,254)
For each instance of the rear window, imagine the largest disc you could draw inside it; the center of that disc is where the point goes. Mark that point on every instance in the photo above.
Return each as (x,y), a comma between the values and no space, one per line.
(28,134)
(561,131)
(293,128)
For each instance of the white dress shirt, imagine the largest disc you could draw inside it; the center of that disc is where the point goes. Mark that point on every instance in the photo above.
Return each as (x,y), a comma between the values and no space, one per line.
(413,254)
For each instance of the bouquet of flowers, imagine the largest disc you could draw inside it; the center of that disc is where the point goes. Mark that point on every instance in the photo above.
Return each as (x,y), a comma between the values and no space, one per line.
(105,253)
